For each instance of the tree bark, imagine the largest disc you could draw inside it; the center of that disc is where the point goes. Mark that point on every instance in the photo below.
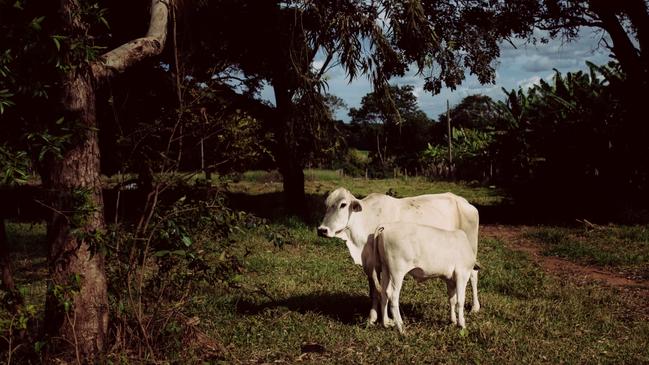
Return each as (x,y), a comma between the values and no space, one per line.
(639,15)
(293,184)
(77,300)
(76,266)
(290,163)
(121,58)
(623,47)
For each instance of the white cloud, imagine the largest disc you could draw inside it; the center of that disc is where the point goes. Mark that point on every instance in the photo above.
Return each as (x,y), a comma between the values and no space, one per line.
(418,91)
(529,82)
(536,63)
(317,65)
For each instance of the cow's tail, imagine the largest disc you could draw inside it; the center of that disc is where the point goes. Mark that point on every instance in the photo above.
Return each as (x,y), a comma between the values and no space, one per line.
(378,264)
(469,222)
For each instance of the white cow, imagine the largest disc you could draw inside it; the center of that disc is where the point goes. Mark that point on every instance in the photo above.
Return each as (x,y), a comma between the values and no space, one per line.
(423,252)
(355,221)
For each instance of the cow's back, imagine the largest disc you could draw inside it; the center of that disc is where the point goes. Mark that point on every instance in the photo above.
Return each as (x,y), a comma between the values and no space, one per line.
(446,211)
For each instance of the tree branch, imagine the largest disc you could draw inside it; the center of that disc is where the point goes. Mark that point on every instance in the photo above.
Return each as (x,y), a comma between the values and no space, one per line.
(323,69)
(122,57)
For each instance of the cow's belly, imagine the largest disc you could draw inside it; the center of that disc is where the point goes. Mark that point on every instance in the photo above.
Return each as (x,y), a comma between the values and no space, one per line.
(420,275)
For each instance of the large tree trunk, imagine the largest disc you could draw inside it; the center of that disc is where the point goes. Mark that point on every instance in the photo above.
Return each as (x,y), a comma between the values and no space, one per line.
(293,184)
(623,46)
(629,167)
(77,302)
(289,161)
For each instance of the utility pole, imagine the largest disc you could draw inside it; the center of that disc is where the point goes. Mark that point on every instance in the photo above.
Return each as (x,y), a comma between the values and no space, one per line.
(450,137)
(202,157)
(208,173)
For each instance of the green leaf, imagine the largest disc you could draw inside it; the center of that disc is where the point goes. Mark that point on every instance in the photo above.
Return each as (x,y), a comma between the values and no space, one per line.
(36,23)
(23,290)
(104,22)
(76,279)
(57,41)
(182,253)
(31,309)
(161,253)
(22,322)
(38,346)
(186,240)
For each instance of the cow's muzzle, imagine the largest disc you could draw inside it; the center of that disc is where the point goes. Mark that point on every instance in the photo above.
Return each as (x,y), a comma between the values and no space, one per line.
(323,231)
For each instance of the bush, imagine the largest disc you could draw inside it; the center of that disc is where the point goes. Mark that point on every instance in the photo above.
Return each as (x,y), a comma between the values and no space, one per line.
(471,160)
(354,162)
(155,268)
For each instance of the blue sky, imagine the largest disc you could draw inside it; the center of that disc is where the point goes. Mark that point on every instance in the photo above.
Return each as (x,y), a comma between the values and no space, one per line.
(522,65)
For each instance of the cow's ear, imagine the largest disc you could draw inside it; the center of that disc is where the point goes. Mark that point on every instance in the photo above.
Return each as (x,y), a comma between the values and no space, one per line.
(356,206)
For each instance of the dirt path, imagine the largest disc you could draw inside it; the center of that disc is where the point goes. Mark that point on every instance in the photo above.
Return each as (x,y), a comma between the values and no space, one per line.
(634,293)
(514,238)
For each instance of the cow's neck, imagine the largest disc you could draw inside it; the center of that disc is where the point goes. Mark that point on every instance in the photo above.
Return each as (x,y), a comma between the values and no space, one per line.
(360,227)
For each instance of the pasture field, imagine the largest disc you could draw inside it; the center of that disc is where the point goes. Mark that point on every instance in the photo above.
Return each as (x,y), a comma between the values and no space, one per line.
(299,298)
(311,293)
(319,182)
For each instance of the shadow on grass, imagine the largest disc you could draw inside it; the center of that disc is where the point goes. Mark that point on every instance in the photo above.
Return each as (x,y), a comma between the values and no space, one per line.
(530,207)
(26,240)
(343,307)
(525,211)
(272,207)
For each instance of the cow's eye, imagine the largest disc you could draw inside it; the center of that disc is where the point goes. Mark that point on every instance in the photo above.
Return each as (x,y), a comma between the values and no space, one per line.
(343,205)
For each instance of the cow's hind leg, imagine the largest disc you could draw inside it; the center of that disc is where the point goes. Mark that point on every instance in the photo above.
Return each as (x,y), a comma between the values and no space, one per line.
(376,298)
(461,279)
(452,298)
(386,287)
(474,291)
(393,290)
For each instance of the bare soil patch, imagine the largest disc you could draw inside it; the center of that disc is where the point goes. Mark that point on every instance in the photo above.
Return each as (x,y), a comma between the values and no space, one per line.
(514,238)
(635,293)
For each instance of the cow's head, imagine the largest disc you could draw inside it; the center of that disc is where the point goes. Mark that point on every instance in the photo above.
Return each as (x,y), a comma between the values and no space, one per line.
(340,204)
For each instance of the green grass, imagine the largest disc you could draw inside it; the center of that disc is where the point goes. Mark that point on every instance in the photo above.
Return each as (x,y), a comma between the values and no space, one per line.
(297,289)
(314,294)
(622,248)
(28,251)
(320,182)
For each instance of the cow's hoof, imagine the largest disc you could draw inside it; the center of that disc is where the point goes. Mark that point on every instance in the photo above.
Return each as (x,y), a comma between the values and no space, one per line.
(387,323)
(373,317)
(475,308)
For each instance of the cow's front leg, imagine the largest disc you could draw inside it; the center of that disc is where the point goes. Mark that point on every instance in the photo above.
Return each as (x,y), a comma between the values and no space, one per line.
(376,301)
